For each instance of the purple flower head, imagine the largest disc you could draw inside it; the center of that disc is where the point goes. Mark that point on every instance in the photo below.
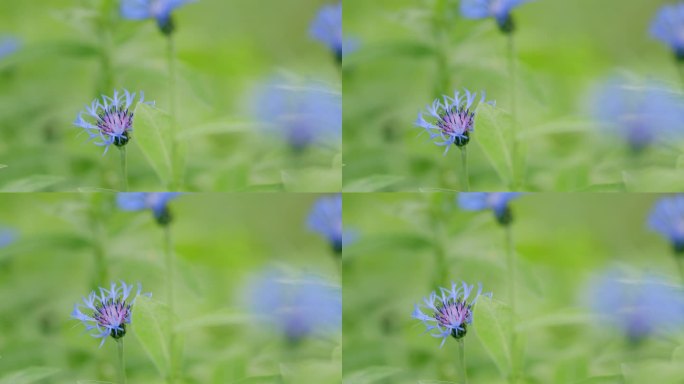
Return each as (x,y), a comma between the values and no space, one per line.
(327,28)
(496,201)
(667,218)
(297,305)
(159,10)
(108,312)
(449,312)
(110,120)
(641,113)
(668,27)
(157,202)
(8,45)
(452,119)
(326,219)
(303,114)
(639,306)
(498,9)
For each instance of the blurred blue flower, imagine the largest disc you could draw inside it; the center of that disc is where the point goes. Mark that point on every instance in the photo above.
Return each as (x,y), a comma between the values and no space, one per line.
(159,10)
(667,218)
(108,312)
(326,219)
(297,305)
(639,307)
(327,28)
(110,120)
(496,201)
(8,45)
(641,113)
(449,312)
(157,202)
(7,237)
(668,27)
(498,9)
(350,45)
(303,114)
(454,119)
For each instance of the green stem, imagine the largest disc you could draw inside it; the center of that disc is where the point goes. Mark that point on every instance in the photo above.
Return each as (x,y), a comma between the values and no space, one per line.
(124,169)
(168,261)
(463,375)
(680,263)
(510,265)
(465,181)
(514,110)
(171,60)
(680,69)
(122,363)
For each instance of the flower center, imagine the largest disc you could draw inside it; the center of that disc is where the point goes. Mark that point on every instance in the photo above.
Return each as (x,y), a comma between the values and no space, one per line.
(453,315)
(113,315)
(457,123)
(116,122)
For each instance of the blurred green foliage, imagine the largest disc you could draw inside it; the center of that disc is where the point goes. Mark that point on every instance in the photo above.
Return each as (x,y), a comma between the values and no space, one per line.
(70,244)
(414,51)
(75,50)
(562,241)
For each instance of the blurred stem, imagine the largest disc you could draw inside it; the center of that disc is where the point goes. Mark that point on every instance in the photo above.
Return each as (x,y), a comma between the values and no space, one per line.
(463,375)
(168,260)
(124,169)
(465,181)
(98,242)
(680,68)
(105,26)
(514,111)
(171,60)
(440,240)
(440,33)
(510,265)
(122,363)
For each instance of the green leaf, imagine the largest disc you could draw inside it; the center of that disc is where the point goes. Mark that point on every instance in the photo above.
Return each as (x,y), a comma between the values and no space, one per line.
(559,318)
(492,326)
(312,180)
(152,134)
(266,379)
(29,375)
(654,180)
(220,318)
(373,183)
(35,183)
(151,328)
(311,370)
(222,127)
(652,371)
(371,375)
(606,379)
(494,137)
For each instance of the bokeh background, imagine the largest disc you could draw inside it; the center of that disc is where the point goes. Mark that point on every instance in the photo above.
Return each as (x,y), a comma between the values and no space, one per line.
(562,242)
(221,243)
(225,51)
(564,49)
